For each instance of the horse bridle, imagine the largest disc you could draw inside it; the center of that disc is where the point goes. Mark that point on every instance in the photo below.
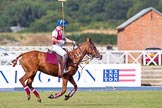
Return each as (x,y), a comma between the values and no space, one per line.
(89,57)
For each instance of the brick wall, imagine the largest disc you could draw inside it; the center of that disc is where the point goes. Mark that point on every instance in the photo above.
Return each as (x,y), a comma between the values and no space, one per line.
(144,32)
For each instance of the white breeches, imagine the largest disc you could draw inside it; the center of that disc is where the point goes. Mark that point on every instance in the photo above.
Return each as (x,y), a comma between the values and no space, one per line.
(59,50)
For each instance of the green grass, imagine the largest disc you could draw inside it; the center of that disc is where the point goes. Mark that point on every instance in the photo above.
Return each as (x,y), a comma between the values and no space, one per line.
(82,99)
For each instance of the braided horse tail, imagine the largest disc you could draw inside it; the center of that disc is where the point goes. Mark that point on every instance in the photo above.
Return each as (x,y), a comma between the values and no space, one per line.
(15,60)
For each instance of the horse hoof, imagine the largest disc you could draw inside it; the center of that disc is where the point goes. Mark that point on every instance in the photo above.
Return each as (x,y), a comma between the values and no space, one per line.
(28,97)
(66,97)
(39,100)
(51,96)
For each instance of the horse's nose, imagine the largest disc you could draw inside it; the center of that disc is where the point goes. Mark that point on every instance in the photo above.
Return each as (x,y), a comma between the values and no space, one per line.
(100,57)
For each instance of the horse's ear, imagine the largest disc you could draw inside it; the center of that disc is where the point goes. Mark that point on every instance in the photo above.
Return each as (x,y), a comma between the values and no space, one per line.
(88,39)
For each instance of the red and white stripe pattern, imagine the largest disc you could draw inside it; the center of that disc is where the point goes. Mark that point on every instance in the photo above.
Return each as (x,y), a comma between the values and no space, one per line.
(127,75)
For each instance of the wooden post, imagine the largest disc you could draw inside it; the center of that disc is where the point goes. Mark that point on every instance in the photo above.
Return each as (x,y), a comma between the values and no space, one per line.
(62,2)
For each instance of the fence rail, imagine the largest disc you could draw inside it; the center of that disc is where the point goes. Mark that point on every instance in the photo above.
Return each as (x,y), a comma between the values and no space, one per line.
(131,57)
(109,57)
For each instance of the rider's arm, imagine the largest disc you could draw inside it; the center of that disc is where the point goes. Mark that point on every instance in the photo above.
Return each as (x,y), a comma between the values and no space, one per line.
(68,40)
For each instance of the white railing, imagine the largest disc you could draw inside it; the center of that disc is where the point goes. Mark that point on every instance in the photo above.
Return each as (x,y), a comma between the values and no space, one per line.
(25,48)
(40,48)
(109,57)
(131,57)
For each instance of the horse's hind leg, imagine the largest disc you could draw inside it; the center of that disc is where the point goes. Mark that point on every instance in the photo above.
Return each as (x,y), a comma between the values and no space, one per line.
(29,83)
(71,93)
(22,81)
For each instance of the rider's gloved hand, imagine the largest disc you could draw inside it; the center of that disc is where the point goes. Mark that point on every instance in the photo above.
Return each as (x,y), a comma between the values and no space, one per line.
(62,42)
(74,43)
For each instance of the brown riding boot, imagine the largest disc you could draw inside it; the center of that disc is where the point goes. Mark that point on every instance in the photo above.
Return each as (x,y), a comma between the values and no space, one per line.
(63,64)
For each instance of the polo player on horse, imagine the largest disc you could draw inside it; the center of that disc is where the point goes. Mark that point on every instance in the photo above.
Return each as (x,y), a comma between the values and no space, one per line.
(58,40)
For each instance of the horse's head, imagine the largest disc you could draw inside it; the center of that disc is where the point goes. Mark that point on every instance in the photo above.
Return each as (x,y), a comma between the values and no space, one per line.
(92,50)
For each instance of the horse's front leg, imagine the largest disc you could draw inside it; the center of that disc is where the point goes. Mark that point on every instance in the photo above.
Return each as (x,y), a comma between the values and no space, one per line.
(71,93)
(65,79)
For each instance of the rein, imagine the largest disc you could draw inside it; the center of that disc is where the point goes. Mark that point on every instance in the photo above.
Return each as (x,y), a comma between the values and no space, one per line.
(84,54)
(78,47)
(82,67)
(89,58)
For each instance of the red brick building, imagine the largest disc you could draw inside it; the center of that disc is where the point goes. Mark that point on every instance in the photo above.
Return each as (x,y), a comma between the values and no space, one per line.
(141,31)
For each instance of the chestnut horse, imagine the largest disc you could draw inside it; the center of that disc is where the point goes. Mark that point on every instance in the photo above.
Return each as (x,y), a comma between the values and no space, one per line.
(34,61)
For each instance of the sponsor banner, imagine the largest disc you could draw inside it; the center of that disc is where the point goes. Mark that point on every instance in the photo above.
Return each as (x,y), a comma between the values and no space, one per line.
(92,75)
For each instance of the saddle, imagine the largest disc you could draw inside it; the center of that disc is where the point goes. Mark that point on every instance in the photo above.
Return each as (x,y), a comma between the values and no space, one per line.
(52,57)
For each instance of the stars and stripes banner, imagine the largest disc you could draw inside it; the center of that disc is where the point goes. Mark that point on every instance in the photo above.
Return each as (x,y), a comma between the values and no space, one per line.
(119,75)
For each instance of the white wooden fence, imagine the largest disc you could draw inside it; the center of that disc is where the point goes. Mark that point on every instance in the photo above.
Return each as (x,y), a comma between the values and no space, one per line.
(109,57)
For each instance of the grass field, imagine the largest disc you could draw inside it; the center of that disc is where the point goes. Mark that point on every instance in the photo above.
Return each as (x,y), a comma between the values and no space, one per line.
(82,99)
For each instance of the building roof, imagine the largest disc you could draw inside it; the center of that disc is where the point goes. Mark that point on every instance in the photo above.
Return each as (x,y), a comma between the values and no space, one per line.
(135,17)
